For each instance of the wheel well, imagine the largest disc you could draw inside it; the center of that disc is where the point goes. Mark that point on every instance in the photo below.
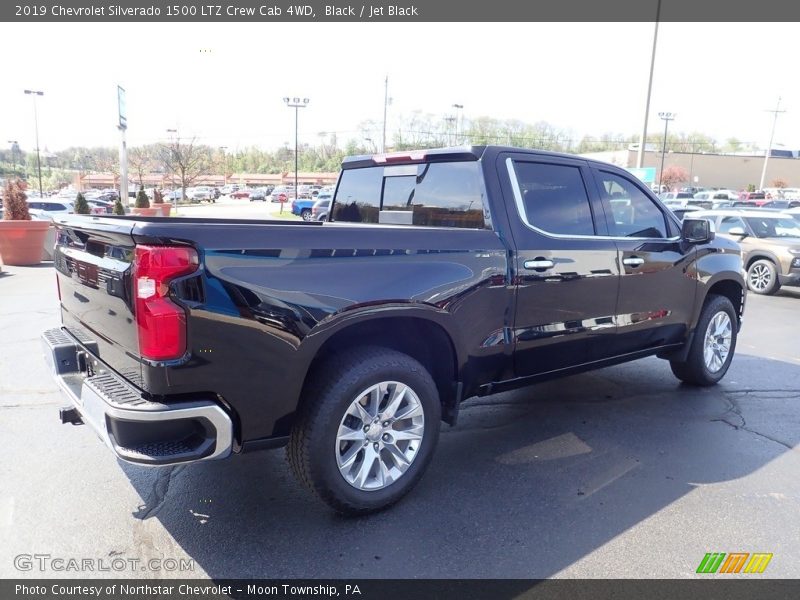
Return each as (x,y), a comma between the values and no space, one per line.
(423,340)
(753,259)
(732,291)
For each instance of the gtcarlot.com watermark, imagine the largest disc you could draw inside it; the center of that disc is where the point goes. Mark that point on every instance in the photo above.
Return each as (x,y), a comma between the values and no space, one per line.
(59,564)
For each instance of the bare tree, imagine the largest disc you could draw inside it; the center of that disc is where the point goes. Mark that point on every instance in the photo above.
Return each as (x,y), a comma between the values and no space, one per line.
(108,162)
(141,162)
(186,160)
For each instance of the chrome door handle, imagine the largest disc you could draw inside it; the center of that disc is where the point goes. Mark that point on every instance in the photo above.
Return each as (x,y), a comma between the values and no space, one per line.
(539,264)
(634,261)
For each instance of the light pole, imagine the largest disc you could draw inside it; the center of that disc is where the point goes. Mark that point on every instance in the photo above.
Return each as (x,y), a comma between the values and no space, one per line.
(643,137)
(775,113)
(459,118)
(296,104)
(35,93)
(666,117)
(14,150)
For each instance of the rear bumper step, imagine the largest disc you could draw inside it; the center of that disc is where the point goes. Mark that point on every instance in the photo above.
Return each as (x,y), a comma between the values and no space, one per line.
(136,429)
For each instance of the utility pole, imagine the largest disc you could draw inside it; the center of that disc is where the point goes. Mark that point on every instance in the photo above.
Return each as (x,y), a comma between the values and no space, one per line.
(297,104)
(667,117)
(385,108)
(643,138)
(775,114)
(459,121)
(123,147)
(35,93)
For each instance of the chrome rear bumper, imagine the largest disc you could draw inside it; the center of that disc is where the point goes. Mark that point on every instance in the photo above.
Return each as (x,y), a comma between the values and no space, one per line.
(136,429)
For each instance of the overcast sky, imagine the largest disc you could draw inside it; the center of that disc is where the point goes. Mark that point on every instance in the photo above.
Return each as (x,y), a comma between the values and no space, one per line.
(720,79)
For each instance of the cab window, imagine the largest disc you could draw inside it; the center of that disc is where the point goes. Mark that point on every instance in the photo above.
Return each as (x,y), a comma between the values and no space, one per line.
(629,212)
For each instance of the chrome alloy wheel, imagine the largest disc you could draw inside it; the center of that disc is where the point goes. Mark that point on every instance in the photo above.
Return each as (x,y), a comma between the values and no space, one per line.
(760,277)
(380,435)
(717,343)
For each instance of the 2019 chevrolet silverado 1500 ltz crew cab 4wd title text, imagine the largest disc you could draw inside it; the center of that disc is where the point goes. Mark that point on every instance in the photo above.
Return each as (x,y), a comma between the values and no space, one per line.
(440,275)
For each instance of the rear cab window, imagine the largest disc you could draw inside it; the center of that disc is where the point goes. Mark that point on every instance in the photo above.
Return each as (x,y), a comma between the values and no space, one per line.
(439,194)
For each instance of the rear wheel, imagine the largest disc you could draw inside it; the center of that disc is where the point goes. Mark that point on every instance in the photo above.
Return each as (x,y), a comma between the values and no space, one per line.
(306,214)
(713,344)
(762,277)
(367,429)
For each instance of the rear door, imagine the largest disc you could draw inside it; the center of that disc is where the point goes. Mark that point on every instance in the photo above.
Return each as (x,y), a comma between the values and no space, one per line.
(565,270)
(657,285)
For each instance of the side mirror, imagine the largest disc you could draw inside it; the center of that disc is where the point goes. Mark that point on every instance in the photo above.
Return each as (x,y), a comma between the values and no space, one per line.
(697,231)
(737,231)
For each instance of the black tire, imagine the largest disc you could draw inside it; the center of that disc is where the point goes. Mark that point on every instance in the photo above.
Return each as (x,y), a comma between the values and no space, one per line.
(694,370)
(762,277)
(311,451)
(305,214)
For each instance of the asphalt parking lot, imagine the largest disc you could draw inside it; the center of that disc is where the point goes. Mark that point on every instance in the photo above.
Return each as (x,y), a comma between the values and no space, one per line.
(618,473)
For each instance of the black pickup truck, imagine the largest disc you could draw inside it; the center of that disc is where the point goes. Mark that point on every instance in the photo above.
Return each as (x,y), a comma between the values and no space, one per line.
(440,275)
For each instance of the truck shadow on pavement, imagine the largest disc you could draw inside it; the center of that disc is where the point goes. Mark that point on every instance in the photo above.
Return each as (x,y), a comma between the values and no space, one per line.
(526,484)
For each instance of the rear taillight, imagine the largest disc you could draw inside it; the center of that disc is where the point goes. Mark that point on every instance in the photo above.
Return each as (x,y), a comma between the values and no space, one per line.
(160,322)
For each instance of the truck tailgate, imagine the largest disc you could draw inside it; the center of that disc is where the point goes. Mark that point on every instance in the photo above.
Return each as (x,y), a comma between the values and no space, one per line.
(93,268)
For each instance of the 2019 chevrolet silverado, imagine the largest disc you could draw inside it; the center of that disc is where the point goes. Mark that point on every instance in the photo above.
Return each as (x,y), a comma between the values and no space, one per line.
(439,275)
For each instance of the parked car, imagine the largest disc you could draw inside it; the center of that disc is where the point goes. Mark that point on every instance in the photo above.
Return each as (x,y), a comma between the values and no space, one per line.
(713,199)
(229,189)
(351,341)
(51,207)
(240,194)
(751,199)
(281,194)
(675,199)
(98,207)
(320,208)
(781,204)
(173,196)
(686,210)
(203,193)
(257,194)
(770,243)
(278,197)
(302,208)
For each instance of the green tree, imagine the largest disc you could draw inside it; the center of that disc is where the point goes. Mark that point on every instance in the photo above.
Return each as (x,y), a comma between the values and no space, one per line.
(141,199)
(118,208)
(81,205)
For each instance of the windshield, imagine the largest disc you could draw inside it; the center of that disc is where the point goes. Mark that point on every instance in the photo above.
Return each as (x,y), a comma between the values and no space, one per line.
(774,227)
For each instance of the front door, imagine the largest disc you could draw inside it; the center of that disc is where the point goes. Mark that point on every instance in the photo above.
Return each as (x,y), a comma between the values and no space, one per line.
(565,271)
(657,284)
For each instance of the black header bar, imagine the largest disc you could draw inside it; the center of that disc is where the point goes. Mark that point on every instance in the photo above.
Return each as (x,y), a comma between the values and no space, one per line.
(403,11)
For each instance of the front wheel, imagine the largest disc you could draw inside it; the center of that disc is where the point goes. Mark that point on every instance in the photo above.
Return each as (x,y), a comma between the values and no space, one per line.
(762,277)
(367,429)
(713,344)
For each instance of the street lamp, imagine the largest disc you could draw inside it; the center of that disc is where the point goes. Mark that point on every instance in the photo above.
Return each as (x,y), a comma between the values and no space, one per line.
(459,118)
(296,104)
(666,117)
(35,93)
